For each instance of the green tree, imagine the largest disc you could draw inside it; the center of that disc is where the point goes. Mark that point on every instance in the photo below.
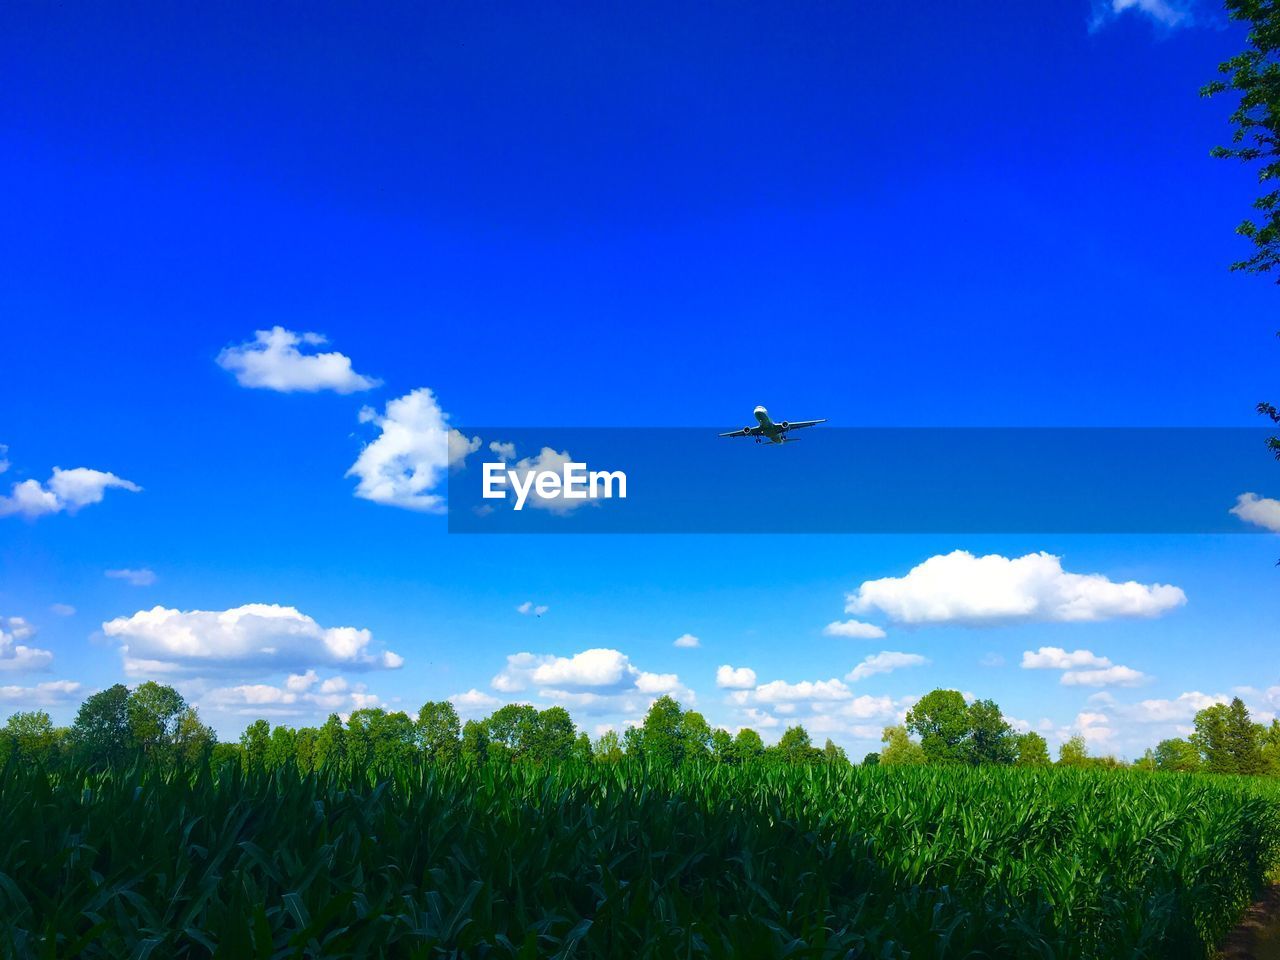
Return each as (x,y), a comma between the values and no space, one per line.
(899,749)
(331,744)
(549,737)
(834,755)
(474,747)
(582,752)
(695,733)
(1032,750)
(794,746)
(1270,741)
(193,742)
(1177,754)
(1228,740)
(1254,74)
(101,732)
(282,748)
(871,760)
(510,728)
(721,746)
(608,748)
(154,712)
(254,744)
(305,748)
(941,720)
(1074,753)
(663,742)
(439,731)
(991,739)
(32,736)
(747,746)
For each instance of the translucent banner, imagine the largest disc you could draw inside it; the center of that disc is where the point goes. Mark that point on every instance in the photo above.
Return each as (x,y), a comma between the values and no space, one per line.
(557,480)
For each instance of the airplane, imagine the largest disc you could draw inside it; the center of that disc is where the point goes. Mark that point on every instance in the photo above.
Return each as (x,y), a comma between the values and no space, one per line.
(766,429)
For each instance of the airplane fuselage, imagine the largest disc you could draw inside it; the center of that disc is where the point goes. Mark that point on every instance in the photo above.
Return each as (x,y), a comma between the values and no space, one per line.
(768,429)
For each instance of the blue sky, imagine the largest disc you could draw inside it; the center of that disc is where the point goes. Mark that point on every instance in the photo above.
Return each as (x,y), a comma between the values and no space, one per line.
(1001,215)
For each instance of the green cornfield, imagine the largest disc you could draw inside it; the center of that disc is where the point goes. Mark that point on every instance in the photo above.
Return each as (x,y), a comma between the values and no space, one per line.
(617,860)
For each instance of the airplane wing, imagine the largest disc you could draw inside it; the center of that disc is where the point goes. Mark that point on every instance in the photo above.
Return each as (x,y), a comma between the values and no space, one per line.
(797,424)
(739,433)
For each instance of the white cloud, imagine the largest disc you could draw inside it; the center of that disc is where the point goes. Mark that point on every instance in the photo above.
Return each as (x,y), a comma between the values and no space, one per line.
(529,608)
(884,662)
(779,691)
(16,657)
(960,588)
(62,609)
(855,629)
(4,457)
(42,694)
(760,720)
(1181,709)
(687,641)
(272,361)
(474,702)
(1095,728)
(547,460)
(301,694)
(1115,676)
(65,490)
(1056,658)
(657,683)
(505,451)
(1260,511)
(407,462)
(1097,671)
(600,680)
(599,667)
(143,577)
(1165,13)
(735,678)
(256,635)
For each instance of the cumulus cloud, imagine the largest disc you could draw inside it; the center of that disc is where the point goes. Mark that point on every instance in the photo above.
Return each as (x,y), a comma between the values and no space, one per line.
(884,662)
(855,629)
(960,588)
(1114,676)
(1082,668)
(300,694)
(42,694)
(257,635)
(64,491)
(1259,511)
(687,641)
(474,702)
(272,360)
(547,461)
(1056,658)
(408,460)
(599,680)
(1167,14)
(16,656)
(529,608)
(779,691)
(735,678)
(505,451)
(142,577)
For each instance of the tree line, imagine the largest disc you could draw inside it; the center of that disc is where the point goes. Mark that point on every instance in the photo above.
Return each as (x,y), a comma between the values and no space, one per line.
(118,726)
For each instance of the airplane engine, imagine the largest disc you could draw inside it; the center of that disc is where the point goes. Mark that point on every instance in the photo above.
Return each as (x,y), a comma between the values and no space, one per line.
(785,425)
(748,428)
